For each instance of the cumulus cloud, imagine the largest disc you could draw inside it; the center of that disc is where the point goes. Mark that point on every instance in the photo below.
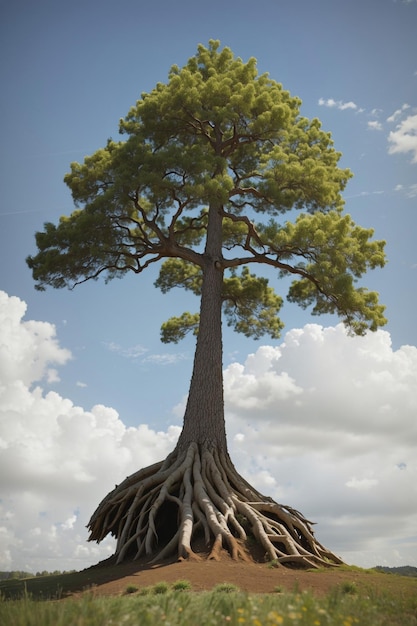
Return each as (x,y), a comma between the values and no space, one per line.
(28,347)
(322,422)
(338,104)
(404,138)
(57,460)
(332,419)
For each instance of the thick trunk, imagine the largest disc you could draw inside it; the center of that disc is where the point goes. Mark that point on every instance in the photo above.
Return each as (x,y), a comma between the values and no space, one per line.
(204,415)
(195,503)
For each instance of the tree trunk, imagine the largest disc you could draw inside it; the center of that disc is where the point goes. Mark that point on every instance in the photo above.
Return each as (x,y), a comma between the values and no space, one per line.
(196,494)
(204,422)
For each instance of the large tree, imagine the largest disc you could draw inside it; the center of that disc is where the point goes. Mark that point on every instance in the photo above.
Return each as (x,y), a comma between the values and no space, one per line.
(214,164)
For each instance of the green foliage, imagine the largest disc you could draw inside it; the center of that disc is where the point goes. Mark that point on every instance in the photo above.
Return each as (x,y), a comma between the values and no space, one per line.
(160,588)
(181,585)
(251,306)
(218,139)
(15,574)
(349,587)
(404,570)
(176,328)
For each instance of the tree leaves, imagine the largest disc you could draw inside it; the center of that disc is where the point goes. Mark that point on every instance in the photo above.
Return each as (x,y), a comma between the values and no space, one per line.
(176,328)
(251,306)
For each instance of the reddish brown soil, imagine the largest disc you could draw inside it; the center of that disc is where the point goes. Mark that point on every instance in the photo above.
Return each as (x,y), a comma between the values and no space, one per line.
(109,579)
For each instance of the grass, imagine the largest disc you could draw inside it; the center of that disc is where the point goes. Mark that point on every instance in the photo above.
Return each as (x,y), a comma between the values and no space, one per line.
(222,605)
(226,588)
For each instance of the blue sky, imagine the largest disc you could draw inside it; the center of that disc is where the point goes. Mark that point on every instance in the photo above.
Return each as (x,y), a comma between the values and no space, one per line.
(69,71)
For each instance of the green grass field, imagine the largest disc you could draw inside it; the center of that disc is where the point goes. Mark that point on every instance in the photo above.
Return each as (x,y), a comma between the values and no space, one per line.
(176,604)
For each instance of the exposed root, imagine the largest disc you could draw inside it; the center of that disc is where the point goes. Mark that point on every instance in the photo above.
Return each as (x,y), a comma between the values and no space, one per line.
(169,507)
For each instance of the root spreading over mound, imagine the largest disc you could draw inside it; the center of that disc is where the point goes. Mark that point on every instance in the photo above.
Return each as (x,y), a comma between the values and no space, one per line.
(169,507)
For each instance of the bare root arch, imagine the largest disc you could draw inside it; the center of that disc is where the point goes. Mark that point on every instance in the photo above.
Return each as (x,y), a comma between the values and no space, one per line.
(167,508)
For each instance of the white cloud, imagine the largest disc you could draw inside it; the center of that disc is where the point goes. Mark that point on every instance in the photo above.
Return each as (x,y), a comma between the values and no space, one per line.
(30,346)
(362,194)
(361,483)
(52,376)
(375,125)
(410,191)
(164,359)
(404,138)
(322,422)
(139,352)
(338,104)
(347,105)
(392,118)
(133,352)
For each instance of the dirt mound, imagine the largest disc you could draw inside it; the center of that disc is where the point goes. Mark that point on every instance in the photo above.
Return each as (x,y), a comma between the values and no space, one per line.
(106,578)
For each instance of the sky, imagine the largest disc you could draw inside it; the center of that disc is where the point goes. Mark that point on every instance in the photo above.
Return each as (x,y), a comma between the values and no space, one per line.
(318,420)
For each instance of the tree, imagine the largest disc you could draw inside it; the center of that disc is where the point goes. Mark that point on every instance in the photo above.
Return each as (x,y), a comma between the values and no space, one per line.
(212,163)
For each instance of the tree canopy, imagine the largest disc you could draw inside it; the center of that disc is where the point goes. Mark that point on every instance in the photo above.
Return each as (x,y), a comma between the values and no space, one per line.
(218,132)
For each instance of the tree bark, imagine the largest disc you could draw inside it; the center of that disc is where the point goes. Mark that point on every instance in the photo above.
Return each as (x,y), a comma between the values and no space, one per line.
(204,422)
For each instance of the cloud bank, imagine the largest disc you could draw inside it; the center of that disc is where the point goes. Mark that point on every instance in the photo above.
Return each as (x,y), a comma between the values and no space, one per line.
(322,422)
(331,421)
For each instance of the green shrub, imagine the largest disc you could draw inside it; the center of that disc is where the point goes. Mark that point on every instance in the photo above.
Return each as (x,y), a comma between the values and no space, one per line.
(145,591)
(181,585)
(160,588)
(349,587)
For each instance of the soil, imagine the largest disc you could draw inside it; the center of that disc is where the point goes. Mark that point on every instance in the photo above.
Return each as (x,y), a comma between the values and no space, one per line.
(106,578)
